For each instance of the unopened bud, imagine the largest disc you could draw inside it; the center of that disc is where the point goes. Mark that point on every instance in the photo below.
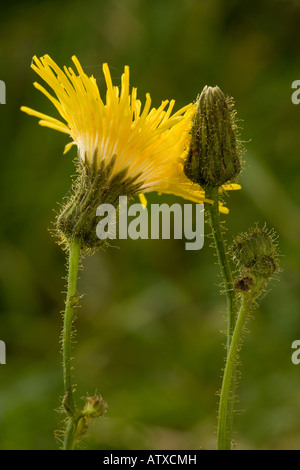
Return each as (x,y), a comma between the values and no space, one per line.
(214,155)
(94,406)
(256,254)
(255,246)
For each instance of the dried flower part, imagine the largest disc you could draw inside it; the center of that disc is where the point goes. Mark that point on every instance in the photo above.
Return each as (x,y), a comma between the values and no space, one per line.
(243,283)
(255,252)
(214,155)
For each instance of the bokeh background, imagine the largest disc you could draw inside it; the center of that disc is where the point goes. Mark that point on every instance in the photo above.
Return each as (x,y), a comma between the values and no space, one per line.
(149,328)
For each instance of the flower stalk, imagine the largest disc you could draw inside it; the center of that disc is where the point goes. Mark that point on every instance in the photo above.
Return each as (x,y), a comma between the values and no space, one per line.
(71,302)
(221,250)
(77,420)
(226,403)
(225,420)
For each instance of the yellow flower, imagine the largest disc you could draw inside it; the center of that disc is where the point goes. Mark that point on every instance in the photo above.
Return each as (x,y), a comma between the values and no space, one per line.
(149,143)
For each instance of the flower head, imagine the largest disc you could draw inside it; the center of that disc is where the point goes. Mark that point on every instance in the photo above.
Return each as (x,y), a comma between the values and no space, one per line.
(123,148)
(149,143)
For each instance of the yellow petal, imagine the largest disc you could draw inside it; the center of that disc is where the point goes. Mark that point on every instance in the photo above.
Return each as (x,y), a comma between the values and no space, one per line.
(143,200)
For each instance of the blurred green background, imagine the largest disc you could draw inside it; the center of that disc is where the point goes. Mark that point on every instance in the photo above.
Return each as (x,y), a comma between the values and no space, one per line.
(149,327)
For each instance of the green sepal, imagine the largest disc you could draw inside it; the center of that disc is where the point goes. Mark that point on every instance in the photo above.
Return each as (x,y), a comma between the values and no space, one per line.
(94,185)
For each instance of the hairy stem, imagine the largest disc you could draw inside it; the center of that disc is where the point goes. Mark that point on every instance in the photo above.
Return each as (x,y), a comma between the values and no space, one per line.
(71,301)
(226,399)
(70,434)
(221,250)
(215,223)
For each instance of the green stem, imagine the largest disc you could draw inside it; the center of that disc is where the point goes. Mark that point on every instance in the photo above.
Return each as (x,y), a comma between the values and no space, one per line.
(71,301)
(219,242)
(214,216)
(70,434)
(225,405)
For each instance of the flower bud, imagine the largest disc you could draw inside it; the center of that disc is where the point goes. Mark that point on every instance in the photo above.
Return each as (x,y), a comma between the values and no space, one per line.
(256,254)
(214,155)
(255,246)
(94,406)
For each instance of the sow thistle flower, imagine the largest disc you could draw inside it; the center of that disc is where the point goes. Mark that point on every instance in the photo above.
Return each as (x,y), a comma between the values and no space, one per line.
(123,148)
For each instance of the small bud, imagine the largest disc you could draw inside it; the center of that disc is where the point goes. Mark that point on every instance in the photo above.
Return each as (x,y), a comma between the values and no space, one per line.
(256,254)
(255,246)
(94,406)
(214,155)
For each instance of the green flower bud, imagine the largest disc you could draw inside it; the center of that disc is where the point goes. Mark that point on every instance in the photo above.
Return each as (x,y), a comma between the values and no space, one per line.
(253,246)
(256,254)
(94,406)
(214,155)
